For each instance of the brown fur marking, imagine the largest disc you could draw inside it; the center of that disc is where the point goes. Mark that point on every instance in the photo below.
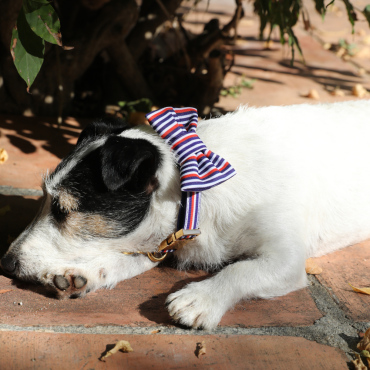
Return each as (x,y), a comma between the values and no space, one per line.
(83,224)
(67,201)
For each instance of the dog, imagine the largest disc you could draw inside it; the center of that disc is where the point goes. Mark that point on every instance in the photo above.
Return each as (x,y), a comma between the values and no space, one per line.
(302,190)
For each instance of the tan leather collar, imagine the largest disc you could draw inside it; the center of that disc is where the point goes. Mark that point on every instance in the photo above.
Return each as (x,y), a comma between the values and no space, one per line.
(172,242)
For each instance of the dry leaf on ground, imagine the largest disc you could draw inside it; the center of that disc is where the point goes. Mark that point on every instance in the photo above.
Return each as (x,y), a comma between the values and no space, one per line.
(312,94)
(364,344)
(337,92)
(201,349)
(5,209)
(312,267)
(154,331)
(5,291)
(3,156)
(122,345)
(359,365)
(360,290)
(268,45)
(137,118)
(359,91)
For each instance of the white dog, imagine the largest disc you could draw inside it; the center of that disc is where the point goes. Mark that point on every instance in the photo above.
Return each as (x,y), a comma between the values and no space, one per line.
(302,189)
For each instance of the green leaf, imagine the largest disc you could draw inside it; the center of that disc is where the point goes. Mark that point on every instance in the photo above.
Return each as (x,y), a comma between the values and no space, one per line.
(351,14)
(320,7)
(27,50)
(331,2)
(366,13)
(43,20)
(141,105)
(248,83)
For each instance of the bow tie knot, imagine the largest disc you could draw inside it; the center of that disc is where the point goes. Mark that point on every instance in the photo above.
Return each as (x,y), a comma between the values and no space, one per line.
(200,169)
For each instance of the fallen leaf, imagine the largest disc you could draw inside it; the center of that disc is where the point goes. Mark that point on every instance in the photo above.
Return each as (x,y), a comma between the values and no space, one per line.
(364,344)
(341,51)
(122,345)
(154,331)
(312,267)
(241,42)
(361,71)
(337,92)
(201,349)
(137,118)
(5,209)
(268,45)
(360,290)
(312,94)
(359,365)
(3,156)
(359,91)
(5,291)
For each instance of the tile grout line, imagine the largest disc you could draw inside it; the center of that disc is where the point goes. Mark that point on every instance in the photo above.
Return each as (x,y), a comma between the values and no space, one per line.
(10,190)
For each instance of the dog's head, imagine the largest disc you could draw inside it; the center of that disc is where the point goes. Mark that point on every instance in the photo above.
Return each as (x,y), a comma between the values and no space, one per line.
(107,197)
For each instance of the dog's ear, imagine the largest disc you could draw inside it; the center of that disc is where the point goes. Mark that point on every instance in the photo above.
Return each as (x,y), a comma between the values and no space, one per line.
(102,127)
(129,163)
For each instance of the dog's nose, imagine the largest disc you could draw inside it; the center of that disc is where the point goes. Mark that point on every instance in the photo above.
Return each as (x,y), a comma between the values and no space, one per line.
(8,263)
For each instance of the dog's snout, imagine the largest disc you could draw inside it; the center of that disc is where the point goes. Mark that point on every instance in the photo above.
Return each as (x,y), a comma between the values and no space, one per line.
(9,263)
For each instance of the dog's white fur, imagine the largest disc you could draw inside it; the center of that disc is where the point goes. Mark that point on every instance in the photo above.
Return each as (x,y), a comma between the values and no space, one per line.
(302,189)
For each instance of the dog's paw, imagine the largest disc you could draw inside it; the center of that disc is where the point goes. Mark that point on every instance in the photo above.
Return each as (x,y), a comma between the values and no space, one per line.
(196,306)
(73,283)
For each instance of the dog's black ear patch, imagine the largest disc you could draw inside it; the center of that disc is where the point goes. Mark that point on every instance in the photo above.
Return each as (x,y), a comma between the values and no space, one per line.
(103,127)
(131,163)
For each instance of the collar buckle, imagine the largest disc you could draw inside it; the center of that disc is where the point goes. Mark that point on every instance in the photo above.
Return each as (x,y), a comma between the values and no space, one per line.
(176,238)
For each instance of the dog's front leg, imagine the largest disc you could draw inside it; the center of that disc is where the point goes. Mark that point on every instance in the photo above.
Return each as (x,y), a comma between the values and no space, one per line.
(278,270)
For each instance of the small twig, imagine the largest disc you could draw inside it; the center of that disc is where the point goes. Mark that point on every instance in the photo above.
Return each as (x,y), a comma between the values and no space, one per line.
(239,8)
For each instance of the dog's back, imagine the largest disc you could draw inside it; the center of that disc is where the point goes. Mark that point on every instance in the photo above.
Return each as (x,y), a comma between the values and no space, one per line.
(306,164)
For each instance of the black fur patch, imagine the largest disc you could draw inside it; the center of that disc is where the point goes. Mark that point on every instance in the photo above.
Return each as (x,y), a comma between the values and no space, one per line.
(103,127)
(115,181)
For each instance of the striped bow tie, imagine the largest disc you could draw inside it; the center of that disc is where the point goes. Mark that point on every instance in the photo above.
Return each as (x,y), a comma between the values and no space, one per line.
(200,169)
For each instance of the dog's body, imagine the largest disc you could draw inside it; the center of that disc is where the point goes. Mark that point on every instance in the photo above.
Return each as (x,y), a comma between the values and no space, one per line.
(302,189)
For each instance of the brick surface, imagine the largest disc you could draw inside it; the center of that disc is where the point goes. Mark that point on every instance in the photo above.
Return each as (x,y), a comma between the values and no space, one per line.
(350,265)
(44,351)
(277,82)
(141,302)
(34,145)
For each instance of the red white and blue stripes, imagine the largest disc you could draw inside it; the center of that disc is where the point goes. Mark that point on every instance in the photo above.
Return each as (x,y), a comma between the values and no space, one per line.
(200,169)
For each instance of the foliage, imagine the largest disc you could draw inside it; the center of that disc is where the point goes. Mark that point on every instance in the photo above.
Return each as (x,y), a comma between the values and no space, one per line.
(141,105)
(285,13)
(236,90)
(37,22)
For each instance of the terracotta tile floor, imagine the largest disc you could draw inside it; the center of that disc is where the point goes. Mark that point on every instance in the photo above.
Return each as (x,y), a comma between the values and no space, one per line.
(223,352)
(34,144)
